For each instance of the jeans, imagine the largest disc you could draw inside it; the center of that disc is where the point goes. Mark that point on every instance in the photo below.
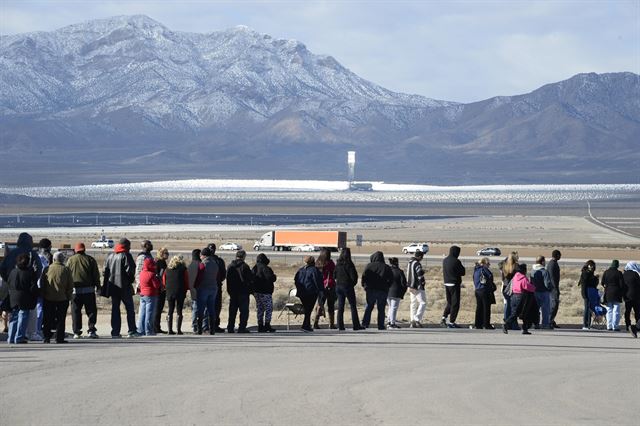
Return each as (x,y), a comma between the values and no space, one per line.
(18,325)
(613,316)
(507,307)
(347,293)
(125,296)
(238,302)
(207,306)
(55,315)
(379,298)
(146,316)
(453,303)
(89,302)
(516,301)
(586,317)
(544,301)
(418,304)
(392,312)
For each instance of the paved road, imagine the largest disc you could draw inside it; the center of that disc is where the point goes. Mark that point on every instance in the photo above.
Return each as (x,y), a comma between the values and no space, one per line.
(428,376)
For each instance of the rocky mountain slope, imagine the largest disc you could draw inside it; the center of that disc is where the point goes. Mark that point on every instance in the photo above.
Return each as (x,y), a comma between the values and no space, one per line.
(126,98)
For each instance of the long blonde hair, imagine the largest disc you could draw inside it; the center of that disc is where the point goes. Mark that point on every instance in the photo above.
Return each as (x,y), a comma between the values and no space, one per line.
(511,265)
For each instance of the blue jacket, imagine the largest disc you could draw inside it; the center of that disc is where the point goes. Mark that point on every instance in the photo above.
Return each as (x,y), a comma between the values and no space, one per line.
(479,273)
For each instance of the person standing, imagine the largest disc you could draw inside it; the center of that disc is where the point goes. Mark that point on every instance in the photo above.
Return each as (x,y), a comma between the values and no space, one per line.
(484,288)
(452,271)
(192,270)
(417,292)
(346,277)
(239,286)
(36,316)
(147,248)
(149,290)
(522,298)
(22,282)
(396,292)
(308,282)
(206,285)
(589,290)
(508,269)
(631,278)
(554,270)
(222,275)
(23,245)
(541,280)
(376,280)
(57,290)
(264,286)
(161,267)
(176,283)
(328,294)
(614,291)
(86,278)
(118,279)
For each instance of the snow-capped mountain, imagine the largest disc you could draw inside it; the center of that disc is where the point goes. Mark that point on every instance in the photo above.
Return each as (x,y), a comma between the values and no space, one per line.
(126,98)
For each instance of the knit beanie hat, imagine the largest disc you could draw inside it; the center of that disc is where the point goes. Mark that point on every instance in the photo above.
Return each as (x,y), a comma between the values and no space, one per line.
(615,264)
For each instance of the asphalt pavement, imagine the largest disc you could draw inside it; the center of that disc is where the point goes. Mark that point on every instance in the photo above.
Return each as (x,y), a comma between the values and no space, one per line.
(408,376)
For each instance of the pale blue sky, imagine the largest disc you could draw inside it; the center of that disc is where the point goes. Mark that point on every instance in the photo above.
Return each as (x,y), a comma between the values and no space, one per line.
(453,50)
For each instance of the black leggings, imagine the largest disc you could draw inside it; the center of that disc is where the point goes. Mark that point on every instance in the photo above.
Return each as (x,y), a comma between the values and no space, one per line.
(173,302)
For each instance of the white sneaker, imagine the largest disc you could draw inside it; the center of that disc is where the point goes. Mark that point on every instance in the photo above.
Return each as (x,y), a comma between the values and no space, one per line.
(585,328)
(77,336)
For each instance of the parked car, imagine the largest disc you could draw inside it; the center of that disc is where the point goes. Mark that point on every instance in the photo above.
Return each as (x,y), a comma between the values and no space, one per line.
(411,248)
(305,247)
(489,251)
(102,244)
(231,246)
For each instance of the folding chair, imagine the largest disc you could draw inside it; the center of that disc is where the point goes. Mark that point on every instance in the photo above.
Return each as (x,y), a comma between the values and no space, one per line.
(292,307)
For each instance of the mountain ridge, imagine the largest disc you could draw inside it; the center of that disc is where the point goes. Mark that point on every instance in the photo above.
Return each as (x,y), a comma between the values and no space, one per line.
(120,88)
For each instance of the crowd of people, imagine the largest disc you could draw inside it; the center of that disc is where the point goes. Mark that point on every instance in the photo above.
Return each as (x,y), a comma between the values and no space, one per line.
(38,286)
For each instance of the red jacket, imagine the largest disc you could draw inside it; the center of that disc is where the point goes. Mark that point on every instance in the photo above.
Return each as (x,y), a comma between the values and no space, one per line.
(149,282)
(328,272)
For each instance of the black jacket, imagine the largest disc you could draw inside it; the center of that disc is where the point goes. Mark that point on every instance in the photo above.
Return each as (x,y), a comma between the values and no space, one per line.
(175,282)
(452,269)
(399,285)
(377,275)
(587,279)
(613,283)
(263,275)
(240,279)
(346,274)
(632,284)
(23,289)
